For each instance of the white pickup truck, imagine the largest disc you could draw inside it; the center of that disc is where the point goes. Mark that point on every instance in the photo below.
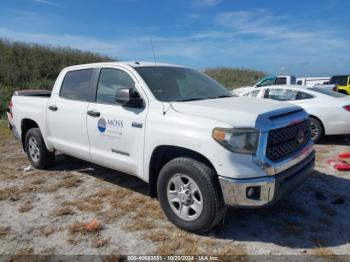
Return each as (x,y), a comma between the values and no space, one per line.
(199,148)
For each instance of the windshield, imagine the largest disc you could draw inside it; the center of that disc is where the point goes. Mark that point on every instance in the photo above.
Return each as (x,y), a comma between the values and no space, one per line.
(178,84)
(338,80)
(326,92)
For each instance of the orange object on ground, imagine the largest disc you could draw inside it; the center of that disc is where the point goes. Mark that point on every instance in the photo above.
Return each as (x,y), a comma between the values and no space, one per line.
(345,155)
(92,226)
(339,164)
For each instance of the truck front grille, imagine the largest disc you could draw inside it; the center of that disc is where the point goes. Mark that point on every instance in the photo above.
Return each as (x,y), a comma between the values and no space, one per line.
(283,142)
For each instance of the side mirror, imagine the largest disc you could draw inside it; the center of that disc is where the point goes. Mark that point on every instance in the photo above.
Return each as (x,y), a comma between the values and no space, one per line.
(128,97)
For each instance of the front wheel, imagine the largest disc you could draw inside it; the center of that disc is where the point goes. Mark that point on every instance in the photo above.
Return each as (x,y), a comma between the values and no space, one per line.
(190,195)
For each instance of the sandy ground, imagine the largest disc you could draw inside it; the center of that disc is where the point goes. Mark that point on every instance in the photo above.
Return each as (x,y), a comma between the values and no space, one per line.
(80,208)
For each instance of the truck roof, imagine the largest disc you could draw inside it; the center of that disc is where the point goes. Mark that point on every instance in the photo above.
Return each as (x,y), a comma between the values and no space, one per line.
(129,63)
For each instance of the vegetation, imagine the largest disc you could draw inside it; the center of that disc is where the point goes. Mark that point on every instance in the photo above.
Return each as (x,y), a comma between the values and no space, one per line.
(31,66)
(233,78)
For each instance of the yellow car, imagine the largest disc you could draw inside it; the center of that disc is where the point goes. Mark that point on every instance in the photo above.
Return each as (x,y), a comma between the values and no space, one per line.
(342,82)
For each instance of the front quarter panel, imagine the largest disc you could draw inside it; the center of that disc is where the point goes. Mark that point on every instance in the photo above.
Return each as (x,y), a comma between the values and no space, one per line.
(176,129)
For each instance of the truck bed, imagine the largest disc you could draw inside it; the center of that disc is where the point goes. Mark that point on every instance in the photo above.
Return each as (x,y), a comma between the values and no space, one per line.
(36,93)
(29,104)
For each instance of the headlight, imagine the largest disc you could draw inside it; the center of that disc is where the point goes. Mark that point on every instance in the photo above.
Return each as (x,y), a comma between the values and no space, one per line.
(244,141)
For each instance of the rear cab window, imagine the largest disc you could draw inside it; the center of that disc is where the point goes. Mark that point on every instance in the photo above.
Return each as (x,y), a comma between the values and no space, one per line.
(77,85)
(339,80)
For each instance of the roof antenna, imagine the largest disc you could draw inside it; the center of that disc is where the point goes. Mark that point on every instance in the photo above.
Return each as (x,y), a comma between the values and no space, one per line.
(154,55)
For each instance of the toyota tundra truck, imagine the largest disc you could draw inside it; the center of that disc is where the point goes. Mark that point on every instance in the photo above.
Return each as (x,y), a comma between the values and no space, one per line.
(198,147)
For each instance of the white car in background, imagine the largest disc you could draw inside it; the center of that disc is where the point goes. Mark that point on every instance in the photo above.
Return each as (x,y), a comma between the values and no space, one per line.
(273,80)
(329,111)
(313,81)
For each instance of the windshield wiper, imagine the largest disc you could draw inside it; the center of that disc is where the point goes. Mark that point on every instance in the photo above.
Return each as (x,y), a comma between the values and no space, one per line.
(191,99)
(222,96)
(196,99)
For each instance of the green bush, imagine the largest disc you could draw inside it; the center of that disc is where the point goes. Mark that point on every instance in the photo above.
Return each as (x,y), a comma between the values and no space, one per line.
(233,78)
(31,66)
(5,96)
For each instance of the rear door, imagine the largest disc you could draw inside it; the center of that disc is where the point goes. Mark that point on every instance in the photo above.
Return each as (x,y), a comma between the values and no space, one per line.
(116,132)
(66,116)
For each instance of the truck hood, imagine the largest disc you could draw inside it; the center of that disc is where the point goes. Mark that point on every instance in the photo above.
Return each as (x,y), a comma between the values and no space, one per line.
(236,111)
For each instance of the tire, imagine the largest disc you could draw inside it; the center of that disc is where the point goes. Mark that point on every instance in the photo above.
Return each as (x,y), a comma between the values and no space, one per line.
(316,129)
(36,150)
(208,196)
(343,92)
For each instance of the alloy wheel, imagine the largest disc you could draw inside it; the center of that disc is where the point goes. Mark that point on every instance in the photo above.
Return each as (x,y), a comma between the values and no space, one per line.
(184,197)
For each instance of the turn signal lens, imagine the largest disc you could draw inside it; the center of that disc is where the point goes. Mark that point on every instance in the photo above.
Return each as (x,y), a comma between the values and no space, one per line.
(347,108)
(219,134)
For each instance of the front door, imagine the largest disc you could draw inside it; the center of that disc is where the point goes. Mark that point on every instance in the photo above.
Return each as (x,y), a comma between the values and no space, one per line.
(116,133)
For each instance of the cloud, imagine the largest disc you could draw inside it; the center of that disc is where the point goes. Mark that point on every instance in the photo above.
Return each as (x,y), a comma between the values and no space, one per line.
(193,16)
(45,2)
(252,39)
(264,25)
(203,3)
(259,21)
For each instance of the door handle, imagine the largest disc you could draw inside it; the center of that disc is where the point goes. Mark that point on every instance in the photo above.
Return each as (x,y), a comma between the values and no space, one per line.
(53,108)
(93,113)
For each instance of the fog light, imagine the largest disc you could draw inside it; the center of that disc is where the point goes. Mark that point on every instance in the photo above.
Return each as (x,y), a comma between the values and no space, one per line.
(253,192)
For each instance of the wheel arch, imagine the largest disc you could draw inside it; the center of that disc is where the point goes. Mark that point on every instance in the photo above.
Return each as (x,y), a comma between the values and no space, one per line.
(317,118)
(343,91)
(26,125)
(163,154)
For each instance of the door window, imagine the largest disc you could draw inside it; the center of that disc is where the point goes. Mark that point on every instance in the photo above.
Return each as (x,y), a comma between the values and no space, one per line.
(293,80)
(110,81)
(281,81)
(77,85)
(282,94)
(255,93)
(302,95)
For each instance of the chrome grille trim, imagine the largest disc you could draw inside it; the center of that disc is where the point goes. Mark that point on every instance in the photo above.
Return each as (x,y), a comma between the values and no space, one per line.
(276,119)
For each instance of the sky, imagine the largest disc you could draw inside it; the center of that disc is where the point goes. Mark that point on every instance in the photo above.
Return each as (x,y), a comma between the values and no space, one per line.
(302,38)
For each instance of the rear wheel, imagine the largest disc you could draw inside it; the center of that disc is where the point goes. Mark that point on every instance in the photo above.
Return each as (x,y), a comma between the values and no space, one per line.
(343,92)
(37,152)
(190,195)
(316,129)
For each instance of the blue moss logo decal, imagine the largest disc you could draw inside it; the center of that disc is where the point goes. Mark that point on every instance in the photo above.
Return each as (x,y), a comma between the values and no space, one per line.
(101,125)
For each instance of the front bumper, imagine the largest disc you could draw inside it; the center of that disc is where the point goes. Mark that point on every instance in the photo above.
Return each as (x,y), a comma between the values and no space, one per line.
(265,191)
